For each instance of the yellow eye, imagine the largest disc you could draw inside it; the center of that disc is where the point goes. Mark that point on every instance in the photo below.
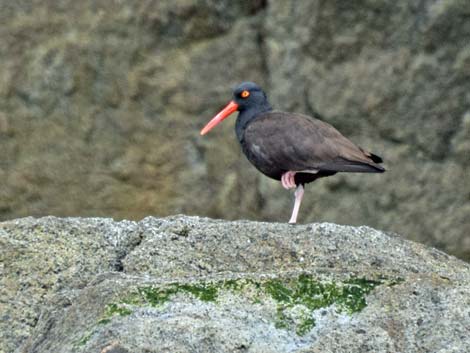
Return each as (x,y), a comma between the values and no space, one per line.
(245,94)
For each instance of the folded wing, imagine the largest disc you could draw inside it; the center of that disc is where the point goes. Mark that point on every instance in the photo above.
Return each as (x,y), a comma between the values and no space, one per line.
(299,143)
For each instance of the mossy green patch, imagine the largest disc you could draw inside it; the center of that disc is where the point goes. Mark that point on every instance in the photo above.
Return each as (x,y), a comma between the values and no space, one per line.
(305,290)
(306,323)
(155,296)
(85,338)
(205,292)
(112,309)
(296,298)
(311,294)
(277,289)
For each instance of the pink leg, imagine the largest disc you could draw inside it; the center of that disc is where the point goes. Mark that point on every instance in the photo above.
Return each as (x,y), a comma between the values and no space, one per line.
(299,193)
(288,180)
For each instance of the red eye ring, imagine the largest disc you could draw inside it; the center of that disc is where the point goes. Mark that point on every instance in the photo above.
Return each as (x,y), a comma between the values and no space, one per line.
(245,94)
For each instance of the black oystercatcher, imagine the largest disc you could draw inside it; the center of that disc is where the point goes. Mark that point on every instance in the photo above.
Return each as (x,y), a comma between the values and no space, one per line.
(293,148)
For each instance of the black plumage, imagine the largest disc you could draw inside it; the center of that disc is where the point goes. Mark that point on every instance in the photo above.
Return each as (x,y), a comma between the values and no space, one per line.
(294,148)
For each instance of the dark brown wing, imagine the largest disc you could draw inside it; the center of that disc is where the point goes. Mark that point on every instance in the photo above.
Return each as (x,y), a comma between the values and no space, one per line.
(299,143)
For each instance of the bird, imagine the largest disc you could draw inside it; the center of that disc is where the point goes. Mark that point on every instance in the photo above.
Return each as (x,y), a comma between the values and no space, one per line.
(293,148)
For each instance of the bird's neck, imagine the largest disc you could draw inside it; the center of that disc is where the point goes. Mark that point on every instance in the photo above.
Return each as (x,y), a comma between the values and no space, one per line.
(248,115)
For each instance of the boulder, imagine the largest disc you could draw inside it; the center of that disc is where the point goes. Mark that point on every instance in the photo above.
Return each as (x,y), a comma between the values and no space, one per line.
(191,284)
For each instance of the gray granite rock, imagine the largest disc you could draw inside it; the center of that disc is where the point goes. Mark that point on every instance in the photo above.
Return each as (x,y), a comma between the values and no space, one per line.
(190,284)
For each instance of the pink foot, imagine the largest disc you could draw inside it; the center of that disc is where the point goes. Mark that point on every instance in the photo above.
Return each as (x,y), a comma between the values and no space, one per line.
(288,180)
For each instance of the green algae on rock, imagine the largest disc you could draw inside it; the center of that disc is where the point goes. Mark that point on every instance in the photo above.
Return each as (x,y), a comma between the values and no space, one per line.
(120,309)
(295,299)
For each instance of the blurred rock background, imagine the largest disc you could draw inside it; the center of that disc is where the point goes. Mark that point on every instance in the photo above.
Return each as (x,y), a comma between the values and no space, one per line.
(101,103)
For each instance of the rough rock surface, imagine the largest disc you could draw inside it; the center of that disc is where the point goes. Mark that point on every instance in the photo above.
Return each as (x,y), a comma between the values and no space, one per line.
(190,284)
(106,98)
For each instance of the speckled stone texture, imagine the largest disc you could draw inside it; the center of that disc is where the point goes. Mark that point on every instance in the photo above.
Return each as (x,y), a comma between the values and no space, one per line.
(61,277)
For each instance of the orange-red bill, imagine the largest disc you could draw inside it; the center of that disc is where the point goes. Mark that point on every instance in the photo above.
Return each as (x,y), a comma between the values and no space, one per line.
(224,113)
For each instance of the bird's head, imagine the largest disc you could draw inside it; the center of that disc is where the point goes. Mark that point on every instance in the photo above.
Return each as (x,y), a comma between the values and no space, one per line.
(247,95)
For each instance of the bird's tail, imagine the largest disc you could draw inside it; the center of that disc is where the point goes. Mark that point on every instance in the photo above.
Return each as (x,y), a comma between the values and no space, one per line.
(368,165)
(375,158)
(359,167)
